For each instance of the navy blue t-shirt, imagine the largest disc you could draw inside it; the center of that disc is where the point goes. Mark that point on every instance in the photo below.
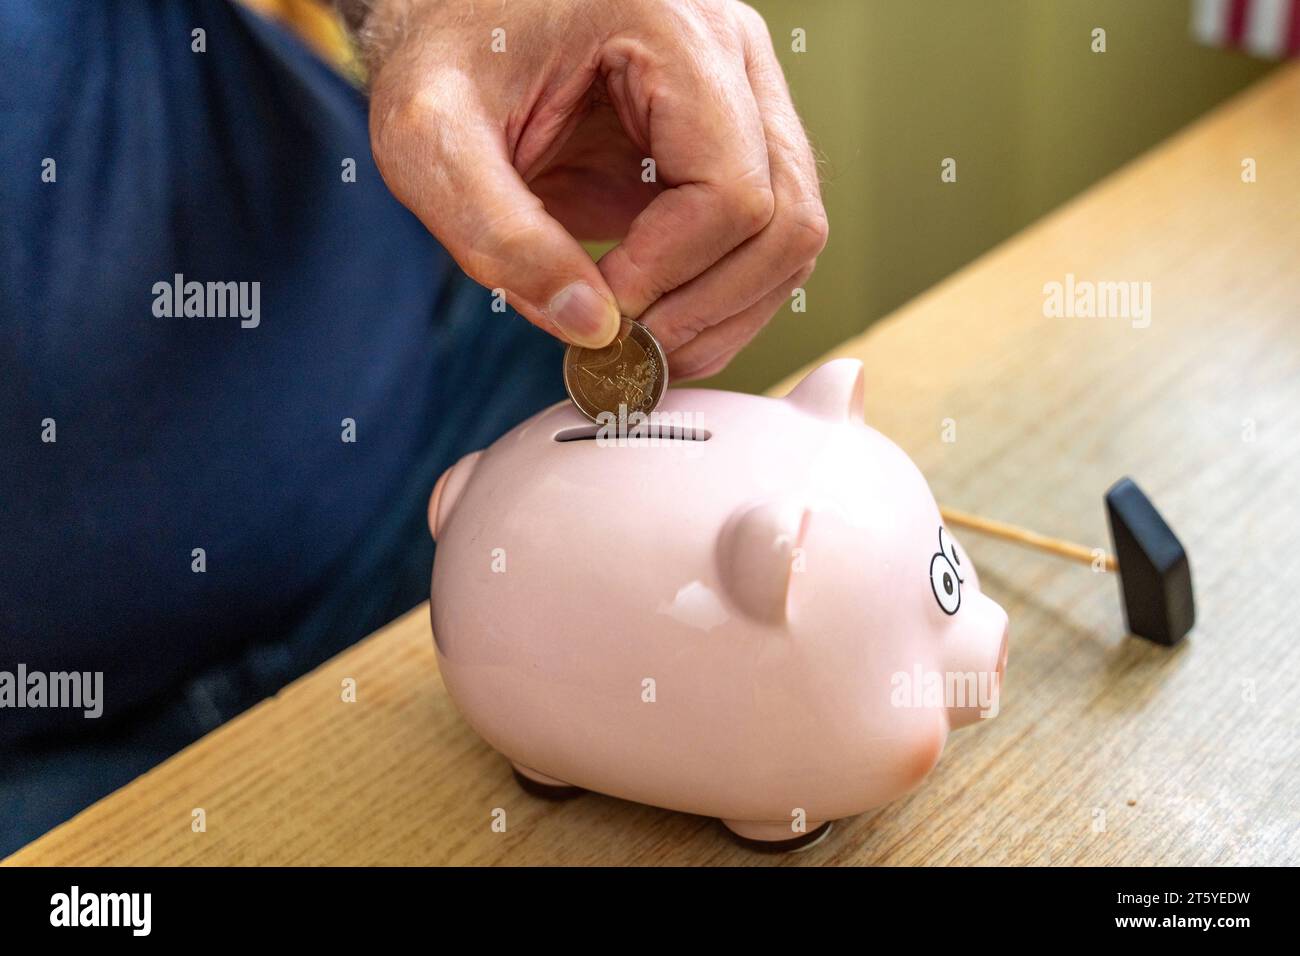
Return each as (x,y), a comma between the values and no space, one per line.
(174,433)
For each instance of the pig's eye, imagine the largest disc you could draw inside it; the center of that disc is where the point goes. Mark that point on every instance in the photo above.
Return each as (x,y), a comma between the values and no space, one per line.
(948,548)
(945,583)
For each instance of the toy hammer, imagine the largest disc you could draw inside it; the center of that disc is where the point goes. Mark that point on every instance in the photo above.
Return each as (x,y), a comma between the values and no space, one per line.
(1154,576)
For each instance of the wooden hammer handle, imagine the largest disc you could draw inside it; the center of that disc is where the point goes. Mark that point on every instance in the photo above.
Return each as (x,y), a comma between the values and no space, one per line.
(1023,536)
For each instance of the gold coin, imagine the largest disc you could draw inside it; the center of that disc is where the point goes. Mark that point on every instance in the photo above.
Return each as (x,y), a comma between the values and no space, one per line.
(631,371)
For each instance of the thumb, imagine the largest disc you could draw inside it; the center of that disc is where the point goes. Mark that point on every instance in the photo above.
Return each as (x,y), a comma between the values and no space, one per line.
(476,204)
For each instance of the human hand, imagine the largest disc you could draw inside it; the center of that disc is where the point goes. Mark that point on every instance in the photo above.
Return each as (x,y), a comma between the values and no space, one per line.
(511,147)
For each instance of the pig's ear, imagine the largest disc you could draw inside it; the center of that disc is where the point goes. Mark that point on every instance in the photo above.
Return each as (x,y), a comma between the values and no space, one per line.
(447,491)
(832,391)
(756,553)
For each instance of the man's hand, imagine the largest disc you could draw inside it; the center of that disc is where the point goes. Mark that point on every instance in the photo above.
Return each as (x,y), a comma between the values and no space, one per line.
(514,130)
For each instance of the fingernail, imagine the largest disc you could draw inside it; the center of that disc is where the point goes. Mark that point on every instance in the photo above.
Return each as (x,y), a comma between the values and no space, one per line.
(584,316)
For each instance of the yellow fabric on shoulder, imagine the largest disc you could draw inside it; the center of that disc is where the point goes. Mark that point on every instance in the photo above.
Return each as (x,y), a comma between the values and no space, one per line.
(316,24)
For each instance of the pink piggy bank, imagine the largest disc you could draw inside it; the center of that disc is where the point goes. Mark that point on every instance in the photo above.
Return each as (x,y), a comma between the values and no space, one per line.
(757,616)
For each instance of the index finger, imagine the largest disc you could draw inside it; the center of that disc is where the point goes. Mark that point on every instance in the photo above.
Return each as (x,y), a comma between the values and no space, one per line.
(706,136)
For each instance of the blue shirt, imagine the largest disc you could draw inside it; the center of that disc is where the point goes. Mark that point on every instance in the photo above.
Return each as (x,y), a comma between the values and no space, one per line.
(174,433)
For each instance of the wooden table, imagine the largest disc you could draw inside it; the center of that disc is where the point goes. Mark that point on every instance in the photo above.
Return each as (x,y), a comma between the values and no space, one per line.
(1107,750)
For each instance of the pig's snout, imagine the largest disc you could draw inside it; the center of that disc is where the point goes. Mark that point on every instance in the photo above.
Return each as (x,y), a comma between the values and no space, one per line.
(975,663)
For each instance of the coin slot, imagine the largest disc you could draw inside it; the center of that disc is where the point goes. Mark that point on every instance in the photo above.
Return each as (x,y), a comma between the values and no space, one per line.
(663,433)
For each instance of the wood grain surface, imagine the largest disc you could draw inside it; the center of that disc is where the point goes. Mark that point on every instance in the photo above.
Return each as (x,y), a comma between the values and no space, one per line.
(1107,750)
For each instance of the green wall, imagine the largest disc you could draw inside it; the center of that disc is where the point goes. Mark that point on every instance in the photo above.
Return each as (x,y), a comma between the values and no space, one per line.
(1010,89)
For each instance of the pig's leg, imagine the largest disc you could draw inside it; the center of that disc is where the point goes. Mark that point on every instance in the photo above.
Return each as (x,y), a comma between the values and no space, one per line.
(775,837)
(540,785)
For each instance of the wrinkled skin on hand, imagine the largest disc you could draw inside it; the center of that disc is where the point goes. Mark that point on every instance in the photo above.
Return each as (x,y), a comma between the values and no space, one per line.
(516,130)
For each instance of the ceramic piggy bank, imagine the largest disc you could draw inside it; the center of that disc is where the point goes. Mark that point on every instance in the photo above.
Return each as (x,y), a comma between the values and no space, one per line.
(756,615)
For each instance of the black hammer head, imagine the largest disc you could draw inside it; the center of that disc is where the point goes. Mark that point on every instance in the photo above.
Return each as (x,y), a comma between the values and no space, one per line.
(1155,579)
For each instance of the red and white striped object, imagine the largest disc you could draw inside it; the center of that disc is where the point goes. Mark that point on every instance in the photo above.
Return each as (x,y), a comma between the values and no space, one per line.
(1268,28)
